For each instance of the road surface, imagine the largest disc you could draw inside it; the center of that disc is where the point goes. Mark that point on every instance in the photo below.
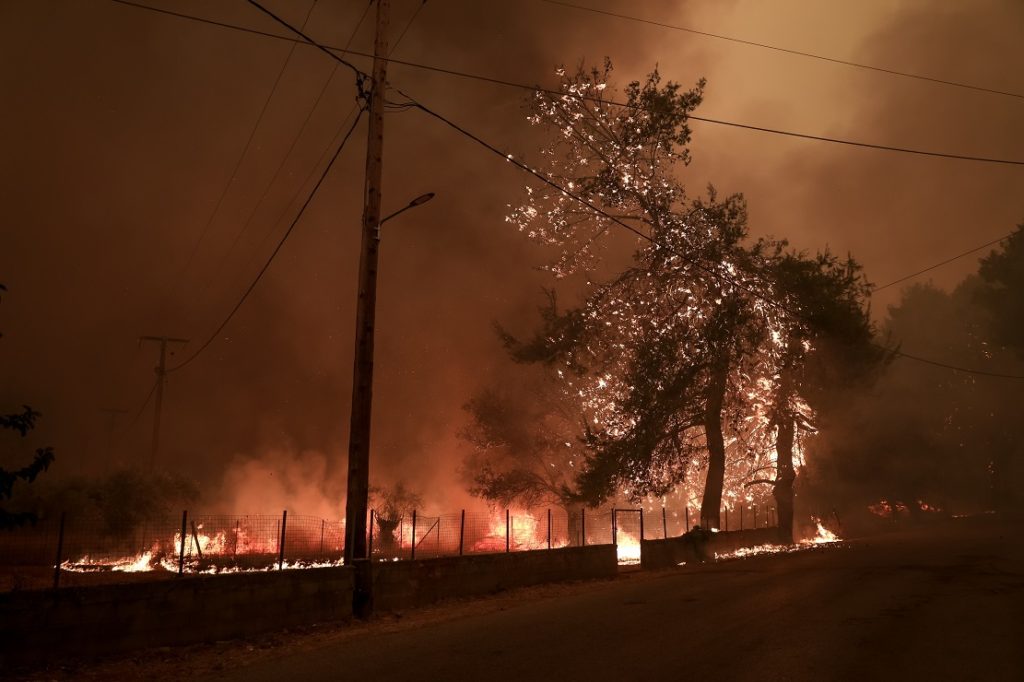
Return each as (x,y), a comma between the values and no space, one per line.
(939,603)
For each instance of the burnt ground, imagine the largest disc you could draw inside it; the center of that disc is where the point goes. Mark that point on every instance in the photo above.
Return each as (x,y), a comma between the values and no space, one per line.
(942,602)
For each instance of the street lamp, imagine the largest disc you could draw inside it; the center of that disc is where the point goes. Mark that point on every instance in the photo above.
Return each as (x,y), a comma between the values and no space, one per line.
(357,492)
(418,201)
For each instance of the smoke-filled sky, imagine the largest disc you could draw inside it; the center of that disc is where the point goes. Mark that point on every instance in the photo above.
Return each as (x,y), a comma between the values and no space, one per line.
(121,129)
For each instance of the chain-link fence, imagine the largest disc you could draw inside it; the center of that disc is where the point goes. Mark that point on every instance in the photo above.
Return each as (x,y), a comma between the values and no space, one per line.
(84,550)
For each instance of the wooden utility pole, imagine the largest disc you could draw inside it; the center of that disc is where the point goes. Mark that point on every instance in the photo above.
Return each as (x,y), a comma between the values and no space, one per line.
(161,379)
(362,374)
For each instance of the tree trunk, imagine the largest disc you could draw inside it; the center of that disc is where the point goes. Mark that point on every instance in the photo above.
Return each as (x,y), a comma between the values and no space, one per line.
(386,535)
(784,440)
(575,513)
(711,504)
(784,477)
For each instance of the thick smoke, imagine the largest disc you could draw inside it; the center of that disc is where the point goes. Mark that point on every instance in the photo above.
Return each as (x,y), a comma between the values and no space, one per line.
(124,127)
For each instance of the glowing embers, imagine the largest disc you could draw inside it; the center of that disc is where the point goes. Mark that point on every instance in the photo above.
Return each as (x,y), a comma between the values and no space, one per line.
(891,509)
(822,536)
(758,550)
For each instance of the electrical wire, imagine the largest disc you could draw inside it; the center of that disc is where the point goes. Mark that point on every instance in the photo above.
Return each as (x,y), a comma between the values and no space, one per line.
(245,150)
(136,415)
(945,262)
(274,253)
(337,132)
(714,273)
(287,155)
(533,88)
(301,210)
(766,46)
(639,233)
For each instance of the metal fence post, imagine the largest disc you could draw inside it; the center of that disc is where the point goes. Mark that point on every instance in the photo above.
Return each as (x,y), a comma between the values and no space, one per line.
(181,552)
(508,531)
(583,526)
(369,543)
(60,553)
(549,527)
(664,523)
(280,540)
(413,555)
(323,524)
(687,518)
(615,529)
(462,531)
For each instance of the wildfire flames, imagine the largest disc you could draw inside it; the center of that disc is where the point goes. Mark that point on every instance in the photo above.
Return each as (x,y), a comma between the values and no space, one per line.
(822,536)
(888,510)
(627,549)
(527,533)
(223,546)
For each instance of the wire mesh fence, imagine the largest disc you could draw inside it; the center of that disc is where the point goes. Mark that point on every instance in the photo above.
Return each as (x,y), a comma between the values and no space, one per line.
(83,550)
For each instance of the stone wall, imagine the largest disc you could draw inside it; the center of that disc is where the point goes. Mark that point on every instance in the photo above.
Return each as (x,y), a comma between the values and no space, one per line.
(657,554)
(408,584)
(106,619)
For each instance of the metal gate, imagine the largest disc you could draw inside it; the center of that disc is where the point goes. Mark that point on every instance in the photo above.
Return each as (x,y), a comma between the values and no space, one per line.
(627,532)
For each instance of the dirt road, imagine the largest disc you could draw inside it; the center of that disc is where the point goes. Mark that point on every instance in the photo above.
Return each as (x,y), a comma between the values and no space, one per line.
(939,603)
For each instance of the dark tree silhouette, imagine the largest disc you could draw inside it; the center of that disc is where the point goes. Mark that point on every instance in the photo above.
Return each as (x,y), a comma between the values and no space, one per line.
(21,423)
(391,504)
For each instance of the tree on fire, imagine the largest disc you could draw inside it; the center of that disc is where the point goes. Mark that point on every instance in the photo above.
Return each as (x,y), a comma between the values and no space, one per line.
(702,346)
(390,506)
(828,344)
(680,301)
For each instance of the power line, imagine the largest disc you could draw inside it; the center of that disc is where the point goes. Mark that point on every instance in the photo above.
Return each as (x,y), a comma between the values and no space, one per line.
(945,262)
(766,46)
(341,126)
(137,414)
(598,210)
(534,88)
(405,30)
(273,254)
(245,149)
(646,237)
(288,153)
(510,158)
(311,171)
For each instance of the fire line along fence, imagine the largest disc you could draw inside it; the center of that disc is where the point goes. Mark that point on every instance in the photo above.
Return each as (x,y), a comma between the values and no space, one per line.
(68,551)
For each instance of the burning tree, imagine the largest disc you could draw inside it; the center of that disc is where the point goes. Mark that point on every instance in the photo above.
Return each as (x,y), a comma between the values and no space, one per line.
(656,355)
(826,341)
(697,356)
(390,505)
(525,443)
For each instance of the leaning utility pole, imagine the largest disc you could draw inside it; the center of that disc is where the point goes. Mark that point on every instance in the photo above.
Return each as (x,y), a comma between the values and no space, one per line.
(362,373)
(161,379)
